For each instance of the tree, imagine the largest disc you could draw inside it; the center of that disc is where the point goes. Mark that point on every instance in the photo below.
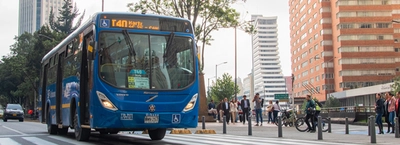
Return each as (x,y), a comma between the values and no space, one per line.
(206,16)
(396,85)
(223,88)
(332,102)
(68,13)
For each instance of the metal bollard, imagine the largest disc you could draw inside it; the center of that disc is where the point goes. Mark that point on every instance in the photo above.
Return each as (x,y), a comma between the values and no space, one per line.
(203,122)
(347,125)
(372,132)
(369,126)
(396,135)
(319,128)
(279,126)
(329,125)
(250,129)
(224,125)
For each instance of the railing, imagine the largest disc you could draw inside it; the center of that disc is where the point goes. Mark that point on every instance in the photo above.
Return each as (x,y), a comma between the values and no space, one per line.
(349,109)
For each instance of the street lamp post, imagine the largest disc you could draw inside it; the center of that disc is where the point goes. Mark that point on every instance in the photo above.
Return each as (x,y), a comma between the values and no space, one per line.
(216,69)
(102,5)
(46,37)
(208,87)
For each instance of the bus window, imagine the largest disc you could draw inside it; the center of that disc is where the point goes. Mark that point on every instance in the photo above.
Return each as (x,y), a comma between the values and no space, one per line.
(149,64)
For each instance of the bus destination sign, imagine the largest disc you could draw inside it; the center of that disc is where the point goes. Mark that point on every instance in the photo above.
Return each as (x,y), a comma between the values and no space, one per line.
(135,24)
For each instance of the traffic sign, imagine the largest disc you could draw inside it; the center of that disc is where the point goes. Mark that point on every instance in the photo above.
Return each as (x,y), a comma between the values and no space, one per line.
(281,96)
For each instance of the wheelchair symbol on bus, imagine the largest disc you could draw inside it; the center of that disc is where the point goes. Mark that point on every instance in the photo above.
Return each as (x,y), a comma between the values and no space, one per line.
(104,23)
(176,118)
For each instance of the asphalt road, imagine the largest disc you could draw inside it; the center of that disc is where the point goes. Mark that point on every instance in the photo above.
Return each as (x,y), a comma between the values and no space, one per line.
(31,133)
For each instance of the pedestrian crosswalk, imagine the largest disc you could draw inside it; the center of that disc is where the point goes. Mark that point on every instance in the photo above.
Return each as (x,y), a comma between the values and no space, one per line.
(198,139)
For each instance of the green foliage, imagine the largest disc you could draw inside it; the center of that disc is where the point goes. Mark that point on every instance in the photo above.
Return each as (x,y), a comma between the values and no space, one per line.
(64,21)
(224,88)
(20,70)
(332,102)
(206,16)
(396,85)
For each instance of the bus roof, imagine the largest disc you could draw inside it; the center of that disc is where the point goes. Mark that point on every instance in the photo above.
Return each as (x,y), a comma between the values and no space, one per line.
(91,21)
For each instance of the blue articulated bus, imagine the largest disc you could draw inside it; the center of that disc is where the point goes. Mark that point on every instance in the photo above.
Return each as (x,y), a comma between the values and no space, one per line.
(122,72)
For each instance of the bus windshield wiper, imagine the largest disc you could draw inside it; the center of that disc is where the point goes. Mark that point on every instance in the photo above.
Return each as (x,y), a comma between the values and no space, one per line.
(168,47)
(129,42)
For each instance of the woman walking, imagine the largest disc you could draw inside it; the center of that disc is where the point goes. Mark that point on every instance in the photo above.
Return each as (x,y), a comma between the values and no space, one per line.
(233,110)
(269,110)
(391,109)
(379,108)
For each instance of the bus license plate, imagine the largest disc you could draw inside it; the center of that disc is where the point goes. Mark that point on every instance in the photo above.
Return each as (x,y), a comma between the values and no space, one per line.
(14,114)
(151,119)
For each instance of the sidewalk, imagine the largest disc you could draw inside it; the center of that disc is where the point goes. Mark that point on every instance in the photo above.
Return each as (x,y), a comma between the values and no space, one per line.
(357,134)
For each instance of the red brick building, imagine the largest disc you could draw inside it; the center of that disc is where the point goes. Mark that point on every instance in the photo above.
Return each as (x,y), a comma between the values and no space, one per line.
(343,44)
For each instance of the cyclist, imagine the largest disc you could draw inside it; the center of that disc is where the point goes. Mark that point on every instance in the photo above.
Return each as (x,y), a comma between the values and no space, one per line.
(310,111)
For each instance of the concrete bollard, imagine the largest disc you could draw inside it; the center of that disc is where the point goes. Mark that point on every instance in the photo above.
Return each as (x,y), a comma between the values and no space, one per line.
(279,126)
(396,135)
(250,129)
(329,125)
(203,122)
(346,122)
(319,128)
(224,125)
(372,132)
(369,126)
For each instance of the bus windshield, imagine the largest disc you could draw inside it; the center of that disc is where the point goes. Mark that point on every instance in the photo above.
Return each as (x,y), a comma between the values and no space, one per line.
(143,61)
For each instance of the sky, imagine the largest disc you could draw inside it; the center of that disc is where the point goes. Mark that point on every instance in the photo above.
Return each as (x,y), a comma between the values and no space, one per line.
(221,49)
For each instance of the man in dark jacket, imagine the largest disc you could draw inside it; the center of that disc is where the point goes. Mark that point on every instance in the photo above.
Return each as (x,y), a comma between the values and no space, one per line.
(226,108)
(379,109)
(245,105)
(310,110)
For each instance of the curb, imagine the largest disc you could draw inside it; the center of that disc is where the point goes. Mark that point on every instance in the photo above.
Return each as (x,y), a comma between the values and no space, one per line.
(205,131)
(180,131)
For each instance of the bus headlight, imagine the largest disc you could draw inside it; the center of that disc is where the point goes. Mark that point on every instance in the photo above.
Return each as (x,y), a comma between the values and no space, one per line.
(191,103)
(105,101)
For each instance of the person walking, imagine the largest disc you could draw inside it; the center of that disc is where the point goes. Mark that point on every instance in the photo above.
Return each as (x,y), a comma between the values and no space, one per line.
(226,108)
(258,101)
(245,105)
(269,110)
(310,110)
(233,110)
(379,108)
(391,109)
(276,109)
(386,113)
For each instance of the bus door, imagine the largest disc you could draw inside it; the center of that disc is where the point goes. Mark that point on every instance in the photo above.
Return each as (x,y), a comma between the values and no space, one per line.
(44,93)
(86,78)
(59,87)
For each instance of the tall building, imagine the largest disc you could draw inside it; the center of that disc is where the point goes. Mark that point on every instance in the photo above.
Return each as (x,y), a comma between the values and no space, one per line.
(268,77)
(343,44)
(35,13)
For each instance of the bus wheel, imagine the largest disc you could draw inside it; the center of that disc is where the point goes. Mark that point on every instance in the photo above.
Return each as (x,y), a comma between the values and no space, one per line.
(157,134)
(81,134)
(51,129)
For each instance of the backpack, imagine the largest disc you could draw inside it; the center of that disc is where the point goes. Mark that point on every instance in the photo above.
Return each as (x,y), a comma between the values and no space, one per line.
(262,102)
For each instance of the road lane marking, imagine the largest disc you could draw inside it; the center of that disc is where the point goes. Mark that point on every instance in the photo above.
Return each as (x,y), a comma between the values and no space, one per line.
(38,141)
(15,130)
(72,141)
(8,141)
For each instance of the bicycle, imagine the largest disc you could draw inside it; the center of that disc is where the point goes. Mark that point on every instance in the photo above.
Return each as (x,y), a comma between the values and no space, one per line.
(301,125)
(287,118)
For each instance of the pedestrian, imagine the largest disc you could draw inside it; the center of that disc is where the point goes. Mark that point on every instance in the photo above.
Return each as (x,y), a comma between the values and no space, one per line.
(276,109)
(245,105)
(233,110)
(30,112)
(258,101)
(391,109)
(386,113)
(225,109)
(318,107)
(212,110)
(310,111)
(397,107)
(269,110)
(379,108)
